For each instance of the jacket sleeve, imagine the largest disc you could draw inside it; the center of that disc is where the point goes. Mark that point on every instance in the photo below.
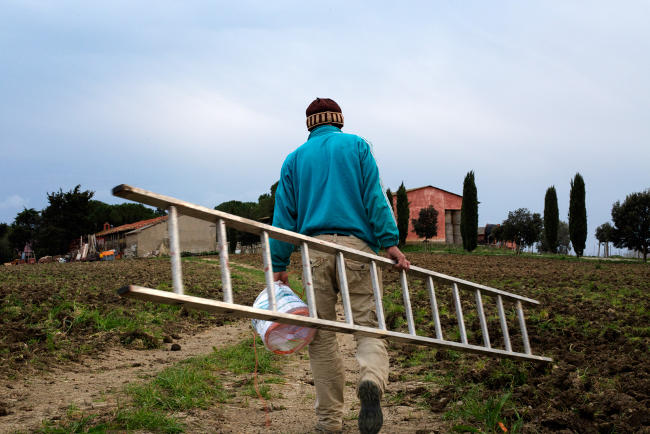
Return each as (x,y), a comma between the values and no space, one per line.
(284,217)
(379,212)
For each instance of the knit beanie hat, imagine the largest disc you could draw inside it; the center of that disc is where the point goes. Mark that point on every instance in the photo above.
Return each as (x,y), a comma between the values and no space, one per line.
(324,111)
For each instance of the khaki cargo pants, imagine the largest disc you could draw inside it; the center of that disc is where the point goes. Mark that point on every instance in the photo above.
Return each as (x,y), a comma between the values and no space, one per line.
(325,358)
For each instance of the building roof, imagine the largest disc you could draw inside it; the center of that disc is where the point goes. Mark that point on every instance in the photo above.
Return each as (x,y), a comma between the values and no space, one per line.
(131,226)
(431,186)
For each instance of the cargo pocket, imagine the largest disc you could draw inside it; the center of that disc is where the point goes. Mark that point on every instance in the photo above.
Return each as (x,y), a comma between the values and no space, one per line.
(358,275)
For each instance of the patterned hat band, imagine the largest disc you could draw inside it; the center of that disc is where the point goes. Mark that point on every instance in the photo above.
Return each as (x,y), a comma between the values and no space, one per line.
(323,118)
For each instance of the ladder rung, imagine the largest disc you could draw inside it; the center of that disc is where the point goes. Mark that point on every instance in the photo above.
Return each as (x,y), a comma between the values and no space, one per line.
(434,307)
(379,305)
(522,325)
(407,302)
(307,281)
(223,259)
(459,314)
(268,271)
(504,324)
(481,317)
(343,286)
(174,250)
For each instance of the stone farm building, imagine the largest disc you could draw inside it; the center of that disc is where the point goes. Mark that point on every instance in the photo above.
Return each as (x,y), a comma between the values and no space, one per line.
(446,203)
(151,237)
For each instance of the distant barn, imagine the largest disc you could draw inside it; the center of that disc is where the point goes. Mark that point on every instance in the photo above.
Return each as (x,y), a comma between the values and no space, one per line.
(151,238)
(445,202)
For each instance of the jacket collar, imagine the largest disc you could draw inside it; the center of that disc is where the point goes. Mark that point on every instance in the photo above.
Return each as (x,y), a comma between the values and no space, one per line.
(323,129)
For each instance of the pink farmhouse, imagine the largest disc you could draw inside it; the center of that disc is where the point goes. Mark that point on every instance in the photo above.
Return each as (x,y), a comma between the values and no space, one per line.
(446,203)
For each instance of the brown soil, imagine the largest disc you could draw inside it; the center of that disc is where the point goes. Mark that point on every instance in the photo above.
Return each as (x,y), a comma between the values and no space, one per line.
(593,320)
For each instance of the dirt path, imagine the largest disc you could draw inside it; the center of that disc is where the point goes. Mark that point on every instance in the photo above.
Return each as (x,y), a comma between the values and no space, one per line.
(95,385)
(292,405)
(90,385)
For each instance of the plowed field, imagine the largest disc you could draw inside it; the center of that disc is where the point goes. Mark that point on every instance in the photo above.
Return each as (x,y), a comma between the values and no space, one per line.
(593,320)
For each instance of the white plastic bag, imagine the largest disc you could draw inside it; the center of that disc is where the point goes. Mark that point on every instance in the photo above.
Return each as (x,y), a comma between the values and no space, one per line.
(283,338)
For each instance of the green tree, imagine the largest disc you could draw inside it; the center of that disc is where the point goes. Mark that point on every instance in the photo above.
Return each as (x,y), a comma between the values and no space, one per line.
(25,229)
(578,215)
(6,252)
(118,215)
(522,227)
(260,211)
(266,205)
(426,225)
(469,213)
(66,217)
(496,234)
(551,220)
(604,234)
(242,209)
(389,196)
(403,214)
(632,222)
(563,238)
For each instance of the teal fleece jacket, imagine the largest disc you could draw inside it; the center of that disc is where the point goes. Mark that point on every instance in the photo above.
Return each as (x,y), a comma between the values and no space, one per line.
(331,184)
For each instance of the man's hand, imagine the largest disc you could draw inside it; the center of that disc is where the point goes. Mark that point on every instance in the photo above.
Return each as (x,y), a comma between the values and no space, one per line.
(401,263)
(282,276)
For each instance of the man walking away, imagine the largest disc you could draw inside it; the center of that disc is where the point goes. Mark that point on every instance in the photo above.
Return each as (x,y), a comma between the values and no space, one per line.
(330,188)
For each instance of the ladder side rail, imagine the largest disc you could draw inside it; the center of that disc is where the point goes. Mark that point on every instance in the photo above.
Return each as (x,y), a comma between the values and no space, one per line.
(254,227)
(481,317)
(434,307)
(343,286)
(268,272)
(307,280)
(459,314)
(223,261)
(174,250)
(376,290)
(522,326)
(166,297)
(504,324)
(407,302)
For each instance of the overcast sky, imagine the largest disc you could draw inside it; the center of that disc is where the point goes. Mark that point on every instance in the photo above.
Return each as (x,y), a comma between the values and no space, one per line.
(204,100)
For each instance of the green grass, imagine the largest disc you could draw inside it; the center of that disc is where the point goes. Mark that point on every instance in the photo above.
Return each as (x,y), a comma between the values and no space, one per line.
(484,415)
(483,250)
(145,419)
(240,358)
(188,385)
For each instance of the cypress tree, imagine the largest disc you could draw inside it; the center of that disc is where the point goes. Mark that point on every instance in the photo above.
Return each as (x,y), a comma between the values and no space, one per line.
(389,195)
(577,215)
(403,214)
(551,219)
(469,213)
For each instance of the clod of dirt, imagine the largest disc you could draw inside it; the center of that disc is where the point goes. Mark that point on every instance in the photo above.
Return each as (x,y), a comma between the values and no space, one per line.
(167,339)
(175,347)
